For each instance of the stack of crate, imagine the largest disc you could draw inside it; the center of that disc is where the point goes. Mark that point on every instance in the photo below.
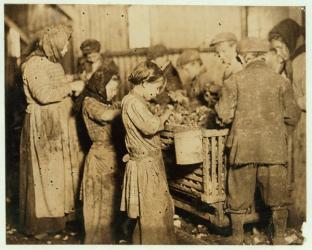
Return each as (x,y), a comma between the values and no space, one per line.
(206,182)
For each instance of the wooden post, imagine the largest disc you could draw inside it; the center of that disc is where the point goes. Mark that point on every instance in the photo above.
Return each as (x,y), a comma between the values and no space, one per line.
(225,167)
(12,25)
(220,165)
(290,161)
(214,165)
(244,21)
(205,166)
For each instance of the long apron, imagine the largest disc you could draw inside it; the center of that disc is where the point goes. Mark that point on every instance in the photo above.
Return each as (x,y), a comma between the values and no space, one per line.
(29,221)
(101,195)
(146,196)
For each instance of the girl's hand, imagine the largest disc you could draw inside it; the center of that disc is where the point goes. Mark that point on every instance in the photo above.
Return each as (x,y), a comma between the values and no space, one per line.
(166,115)
(77,87)
(69,78)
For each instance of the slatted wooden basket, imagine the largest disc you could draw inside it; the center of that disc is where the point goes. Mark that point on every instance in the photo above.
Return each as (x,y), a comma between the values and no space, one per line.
(207,181)
(214,165)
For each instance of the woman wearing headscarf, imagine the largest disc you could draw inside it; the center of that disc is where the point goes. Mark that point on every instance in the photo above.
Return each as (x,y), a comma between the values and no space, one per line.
(101,179)
(288,39)
(50,156)
(90,62)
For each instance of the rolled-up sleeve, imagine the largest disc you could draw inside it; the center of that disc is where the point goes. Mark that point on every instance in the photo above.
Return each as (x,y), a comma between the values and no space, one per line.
(40,86)
(226,105)
(143,119)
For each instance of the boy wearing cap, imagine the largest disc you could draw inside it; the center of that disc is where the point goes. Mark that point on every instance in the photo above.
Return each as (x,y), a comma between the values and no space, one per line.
(225,45)
(158,54)
(257,140)
(92,59)
(192,66)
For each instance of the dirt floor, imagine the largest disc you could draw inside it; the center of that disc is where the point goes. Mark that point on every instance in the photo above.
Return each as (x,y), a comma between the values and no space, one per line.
(190,230)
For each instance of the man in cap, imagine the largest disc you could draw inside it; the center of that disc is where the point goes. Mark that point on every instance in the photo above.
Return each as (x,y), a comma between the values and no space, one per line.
(192,66)
(257,140)
(225,45)
(92,59)
(221,67)
(159,55)
(90,48)
(199,78)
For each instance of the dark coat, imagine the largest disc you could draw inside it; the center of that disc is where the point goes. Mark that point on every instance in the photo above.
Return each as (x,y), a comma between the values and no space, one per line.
(173,83)
(259,103)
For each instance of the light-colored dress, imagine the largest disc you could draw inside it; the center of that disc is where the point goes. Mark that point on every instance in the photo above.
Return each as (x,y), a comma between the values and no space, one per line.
(101,181)
(145,189)
(51,157)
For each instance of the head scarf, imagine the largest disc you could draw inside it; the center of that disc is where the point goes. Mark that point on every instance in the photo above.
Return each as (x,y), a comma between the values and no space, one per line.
(96,86)
(53,41)
(289,31)
(50,42)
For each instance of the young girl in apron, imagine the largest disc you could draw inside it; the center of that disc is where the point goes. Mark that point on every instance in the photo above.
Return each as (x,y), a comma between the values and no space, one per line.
(145,194)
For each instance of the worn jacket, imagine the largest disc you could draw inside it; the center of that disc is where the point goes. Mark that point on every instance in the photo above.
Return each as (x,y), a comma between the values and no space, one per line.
(173,83)
(259,103)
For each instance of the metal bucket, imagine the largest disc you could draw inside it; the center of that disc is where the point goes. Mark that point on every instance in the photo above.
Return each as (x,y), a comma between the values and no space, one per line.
(188,145)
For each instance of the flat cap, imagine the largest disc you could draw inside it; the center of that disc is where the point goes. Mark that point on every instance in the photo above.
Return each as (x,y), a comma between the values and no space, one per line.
(253,44)
(223,37)
(188,55)
(90,46)
(158,50)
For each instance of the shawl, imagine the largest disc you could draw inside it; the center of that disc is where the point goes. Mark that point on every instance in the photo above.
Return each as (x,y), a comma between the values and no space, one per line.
(289,31)
(96,86)
(49,43)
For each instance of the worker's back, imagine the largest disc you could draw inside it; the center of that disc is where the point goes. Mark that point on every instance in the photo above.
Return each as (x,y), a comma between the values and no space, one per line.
(264,101)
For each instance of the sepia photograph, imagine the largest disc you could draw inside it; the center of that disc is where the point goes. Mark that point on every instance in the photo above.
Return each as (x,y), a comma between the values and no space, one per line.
(154,124)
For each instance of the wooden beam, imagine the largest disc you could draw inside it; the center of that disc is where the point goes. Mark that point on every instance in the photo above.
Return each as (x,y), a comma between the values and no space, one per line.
(11,24)
(244,21)
(143,51)
(205,215)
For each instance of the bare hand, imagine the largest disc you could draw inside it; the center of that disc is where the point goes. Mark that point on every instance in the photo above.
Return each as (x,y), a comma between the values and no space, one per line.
(166,115)
(69,78)
(214,88)
(77,87)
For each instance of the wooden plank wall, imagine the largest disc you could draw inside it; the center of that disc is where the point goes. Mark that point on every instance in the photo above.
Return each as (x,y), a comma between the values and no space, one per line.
(109,25)
(188,26)
(43,15)
(106,23)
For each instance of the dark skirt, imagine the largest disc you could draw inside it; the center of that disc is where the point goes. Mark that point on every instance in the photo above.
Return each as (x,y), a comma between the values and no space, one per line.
(101,196)
(29,223)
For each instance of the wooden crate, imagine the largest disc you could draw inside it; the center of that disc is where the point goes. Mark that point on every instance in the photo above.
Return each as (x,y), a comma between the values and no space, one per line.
(207,181)
(214,165)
